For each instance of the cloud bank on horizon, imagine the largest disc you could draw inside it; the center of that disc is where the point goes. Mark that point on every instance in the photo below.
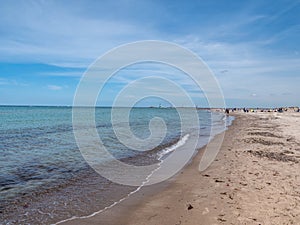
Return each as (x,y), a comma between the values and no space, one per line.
(251,46)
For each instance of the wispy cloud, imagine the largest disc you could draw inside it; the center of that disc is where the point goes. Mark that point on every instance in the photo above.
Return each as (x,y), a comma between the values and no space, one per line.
(3,81)
(12,82)
(51,37)
(54,87)
(252,47)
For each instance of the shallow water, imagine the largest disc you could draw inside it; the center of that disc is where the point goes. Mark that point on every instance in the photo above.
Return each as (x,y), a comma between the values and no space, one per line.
(43,175)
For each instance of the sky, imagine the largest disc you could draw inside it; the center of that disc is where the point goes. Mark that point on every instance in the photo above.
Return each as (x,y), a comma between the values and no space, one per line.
(252,48)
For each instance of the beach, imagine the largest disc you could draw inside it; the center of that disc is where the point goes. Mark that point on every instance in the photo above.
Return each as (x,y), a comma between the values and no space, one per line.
(253,180)
(149,112)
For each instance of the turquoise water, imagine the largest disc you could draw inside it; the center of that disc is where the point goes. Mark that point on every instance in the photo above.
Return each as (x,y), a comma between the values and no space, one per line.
(40,159)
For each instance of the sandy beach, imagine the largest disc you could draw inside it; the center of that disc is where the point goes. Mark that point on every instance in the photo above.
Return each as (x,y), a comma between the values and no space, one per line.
(100,100)
(253,180)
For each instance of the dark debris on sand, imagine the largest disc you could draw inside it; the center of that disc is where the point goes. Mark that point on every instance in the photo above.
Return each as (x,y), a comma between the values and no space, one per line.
(262,141)
(278,156)
(189,207)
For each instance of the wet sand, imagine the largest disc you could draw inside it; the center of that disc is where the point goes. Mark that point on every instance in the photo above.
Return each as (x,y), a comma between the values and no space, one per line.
(254,180)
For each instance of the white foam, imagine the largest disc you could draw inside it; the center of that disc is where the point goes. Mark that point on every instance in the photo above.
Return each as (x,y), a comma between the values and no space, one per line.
(166,151)
(170,149)
(181,142)
(100,211)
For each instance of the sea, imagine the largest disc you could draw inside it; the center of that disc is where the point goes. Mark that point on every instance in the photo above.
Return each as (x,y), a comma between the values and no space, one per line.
(44,178)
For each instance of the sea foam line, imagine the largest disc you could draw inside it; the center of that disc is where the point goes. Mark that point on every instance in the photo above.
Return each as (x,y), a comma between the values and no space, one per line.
(160,156)
(173,147)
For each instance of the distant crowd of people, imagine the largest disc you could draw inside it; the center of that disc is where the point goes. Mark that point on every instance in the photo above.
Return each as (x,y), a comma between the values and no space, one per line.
(280,110)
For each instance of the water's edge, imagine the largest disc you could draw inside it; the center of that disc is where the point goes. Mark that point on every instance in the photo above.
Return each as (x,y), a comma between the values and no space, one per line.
(78,191)
(150,190)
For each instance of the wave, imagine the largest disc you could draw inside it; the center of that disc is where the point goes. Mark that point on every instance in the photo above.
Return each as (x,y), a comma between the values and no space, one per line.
(170,149)
(161,155)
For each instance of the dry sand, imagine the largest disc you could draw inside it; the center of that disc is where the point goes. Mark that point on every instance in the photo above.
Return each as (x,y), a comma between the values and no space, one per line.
(254,180)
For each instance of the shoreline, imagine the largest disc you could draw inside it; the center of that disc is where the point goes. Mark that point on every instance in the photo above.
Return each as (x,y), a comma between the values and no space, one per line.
(85,193)
(118,212)
(253,180)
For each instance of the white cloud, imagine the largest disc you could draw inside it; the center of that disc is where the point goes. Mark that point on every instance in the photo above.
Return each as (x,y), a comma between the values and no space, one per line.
(56,35)
(54,87)
(4,81)
(66,35)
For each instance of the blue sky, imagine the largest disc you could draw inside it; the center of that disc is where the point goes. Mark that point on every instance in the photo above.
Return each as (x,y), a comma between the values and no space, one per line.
(252,47)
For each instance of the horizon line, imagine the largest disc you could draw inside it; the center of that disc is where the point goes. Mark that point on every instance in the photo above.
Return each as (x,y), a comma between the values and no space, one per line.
(150,106)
